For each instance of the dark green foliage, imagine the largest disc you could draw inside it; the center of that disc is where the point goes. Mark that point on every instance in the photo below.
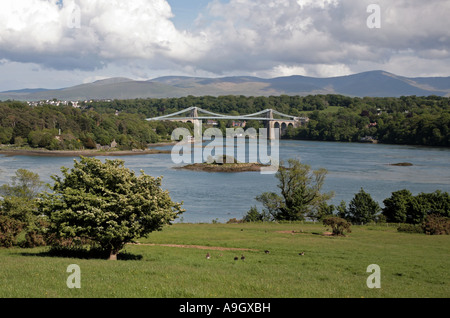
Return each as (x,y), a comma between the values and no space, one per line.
(18,209)
(410,228)
(403,207)
(396,208)
(406,120)
(362,209)
(68,128)
(253,215)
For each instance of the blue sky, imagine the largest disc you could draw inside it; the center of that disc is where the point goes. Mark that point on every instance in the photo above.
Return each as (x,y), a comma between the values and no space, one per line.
(186,12)
(60,43)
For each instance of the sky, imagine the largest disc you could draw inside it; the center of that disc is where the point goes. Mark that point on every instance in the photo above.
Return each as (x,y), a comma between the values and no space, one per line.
(61,43)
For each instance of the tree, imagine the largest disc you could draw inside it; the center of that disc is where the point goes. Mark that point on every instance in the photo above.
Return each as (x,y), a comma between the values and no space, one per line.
(396,208)
(107,204)
(25,184)
(253,215)
(300,192)
(424,204)
(362,208)
(18,207)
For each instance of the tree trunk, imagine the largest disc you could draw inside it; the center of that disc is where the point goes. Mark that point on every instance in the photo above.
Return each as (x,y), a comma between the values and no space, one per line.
(113,256)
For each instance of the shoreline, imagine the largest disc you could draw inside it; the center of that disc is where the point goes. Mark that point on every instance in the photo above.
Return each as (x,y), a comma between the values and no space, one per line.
(78,153)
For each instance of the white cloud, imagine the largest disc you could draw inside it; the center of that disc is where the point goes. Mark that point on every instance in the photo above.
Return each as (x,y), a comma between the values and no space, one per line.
(276,37)
(108,30)
(321,36)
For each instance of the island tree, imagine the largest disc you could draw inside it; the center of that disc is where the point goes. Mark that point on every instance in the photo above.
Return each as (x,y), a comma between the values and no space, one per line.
(106,203)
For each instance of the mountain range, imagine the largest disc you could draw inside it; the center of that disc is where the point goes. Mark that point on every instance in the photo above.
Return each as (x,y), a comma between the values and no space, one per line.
(370,84)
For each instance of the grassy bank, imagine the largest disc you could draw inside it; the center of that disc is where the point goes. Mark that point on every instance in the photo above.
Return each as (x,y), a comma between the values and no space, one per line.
(412,265)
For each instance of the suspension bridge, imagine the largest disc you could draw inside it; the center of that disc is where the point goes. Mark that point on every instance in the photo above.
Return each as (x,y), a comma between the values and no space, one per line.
(272,118)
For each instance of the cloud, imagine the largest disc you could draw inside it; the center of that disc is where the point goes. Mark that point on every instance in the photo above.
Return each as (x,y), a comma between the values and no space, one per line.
(86,34)
(320,36)
(317,37)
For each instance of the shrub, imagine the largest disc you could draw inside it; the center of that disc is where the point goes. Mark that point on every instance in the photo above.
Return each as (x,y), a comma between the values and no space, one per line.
(339,225)
(234,221)
(9,230)
(252,215)
(410,228)
(33,239)
(436,225)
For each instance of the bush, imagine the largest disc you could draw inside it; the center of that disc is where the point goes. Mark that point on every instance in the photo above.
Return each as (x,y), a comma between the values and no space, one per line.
(410,228)
(436,225)
(234,221)
(339,225)
(253,215)
(9,230)
(33,239)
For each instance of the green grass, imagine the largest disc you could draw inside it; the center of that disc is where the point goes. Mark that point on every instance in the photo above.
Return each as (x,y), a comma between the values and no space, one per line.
(412,265)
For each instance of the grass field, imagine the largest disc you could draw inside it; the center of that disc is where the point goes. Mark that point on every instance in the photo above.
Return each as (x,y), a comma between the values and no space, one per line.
(411,265)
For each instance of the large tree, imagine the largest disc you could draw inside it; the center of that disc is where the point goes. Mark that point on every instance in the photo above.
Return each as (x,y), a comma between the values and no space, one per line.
(300,192)
(396,208)
(106,203)
(362,208)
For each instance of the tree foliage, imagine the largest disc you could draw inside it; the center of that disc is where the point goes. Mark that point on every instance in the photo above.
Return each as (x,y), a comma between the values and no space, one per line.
(362,208)
(18,208)
(403,207)
(107,204)
(300,192)
(406,120)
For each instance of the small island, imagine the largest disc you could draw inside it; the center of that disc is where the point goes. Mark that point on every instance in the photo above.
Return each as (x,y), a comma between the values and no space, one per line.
(227,164)
(401,164)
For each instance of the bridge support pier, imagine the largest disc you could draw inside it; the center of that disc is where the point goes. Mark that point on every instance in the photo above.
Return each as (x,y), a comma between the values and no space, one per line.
(198,133)
(270,126)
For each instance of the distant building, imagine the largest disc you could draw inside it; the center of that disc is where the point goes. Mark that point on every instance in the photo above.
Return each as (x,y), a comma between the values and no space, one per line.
(239,124)
(212,122)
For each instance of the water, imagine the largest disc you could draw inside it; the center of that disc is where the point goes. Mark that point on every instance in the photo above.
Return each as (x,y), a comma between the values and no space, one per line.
(222,196)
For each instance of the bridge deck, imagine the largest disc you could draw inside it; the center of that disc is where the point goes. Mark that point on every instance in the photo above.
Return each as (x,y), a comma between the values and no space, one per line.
(213,116)
(225,118)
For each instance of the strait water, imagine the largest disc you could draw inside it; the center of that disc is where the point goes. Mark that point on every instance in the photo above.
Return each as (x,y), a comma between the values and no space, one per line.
(221,196)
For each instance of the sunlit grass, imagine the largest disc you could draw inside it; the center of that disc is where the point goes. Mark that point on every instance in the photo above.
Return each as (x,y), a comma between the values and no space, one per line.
(412,265)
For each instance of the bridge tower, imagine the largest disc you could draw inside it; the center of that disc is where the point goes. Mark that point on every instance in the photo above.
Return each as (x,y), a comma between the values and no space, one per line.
(197,125)
(270,125)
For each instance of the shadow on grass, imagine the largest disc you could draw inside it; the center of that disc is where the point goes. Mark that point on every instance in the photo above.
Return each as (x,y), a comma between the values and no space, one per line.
(83,253)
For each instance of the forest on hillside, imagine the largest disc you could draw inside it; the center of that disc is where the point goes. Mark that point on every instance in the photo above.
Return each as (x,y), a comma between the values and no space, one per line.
(411,120)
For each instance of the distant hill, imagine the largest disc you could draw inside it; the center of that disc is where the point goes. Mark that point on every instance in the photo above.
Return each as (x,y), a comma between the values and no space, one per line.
(372,84)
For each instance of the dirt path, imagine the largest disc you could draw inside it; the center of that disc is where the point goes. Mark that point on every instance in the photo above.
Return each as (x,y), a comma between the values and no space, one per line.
(217,248)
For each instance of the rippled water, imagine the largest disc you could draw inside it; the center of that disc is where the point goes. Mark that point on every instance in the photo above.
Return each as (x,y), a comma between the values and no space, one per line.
(221,196)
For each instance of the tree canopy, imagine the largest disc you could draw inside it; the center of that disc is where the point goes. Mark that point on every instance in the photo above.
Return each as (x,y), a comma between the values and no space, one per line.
(300,192)
(107,204)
